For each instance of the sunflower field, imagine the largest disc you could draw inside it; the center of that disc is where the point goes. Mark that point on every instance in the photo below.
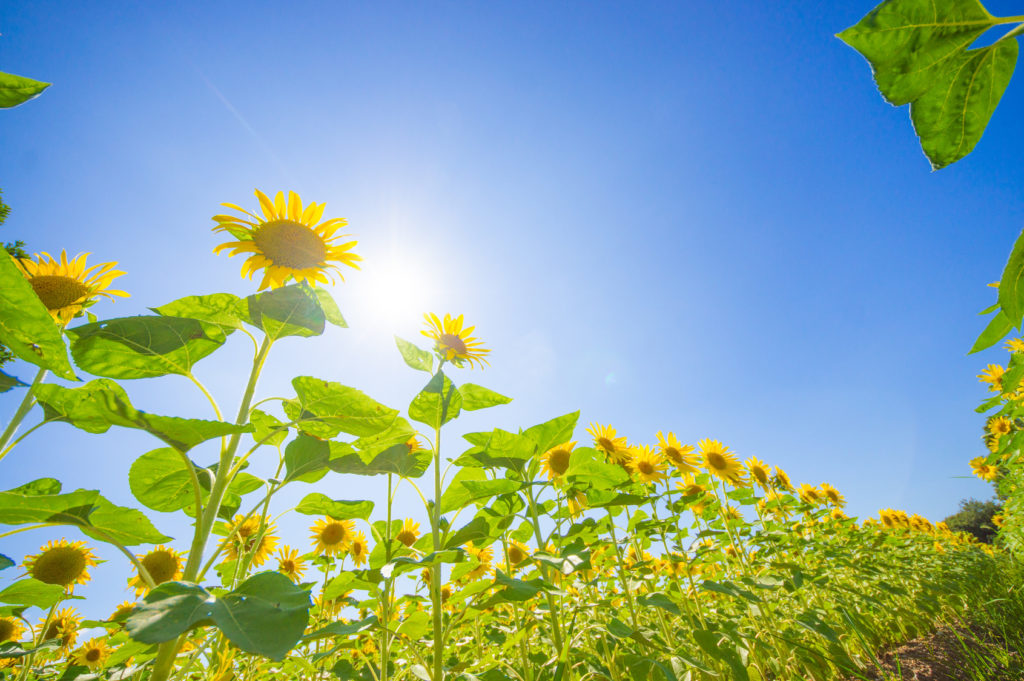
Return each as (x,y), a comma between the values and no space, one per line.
(562,551)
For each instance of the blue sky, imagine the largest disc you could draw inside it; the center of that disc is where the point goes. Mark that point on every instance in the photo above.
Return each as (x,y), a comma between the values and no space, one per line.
(696,217)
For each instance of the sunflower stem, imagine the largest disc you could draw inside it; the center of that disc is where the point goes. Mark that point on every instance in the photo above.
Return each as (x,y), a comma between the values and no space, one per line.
(26,404)
(164,662)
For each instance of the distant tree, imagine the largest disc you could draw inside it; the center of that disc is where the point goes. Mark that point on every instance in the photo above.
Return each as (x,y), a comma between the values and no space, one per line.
(976,517)
(16,249)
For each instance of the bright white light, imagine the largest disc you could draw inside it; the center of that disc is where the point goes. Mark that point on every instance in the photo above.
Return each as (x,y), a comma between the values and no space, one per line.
(394,292)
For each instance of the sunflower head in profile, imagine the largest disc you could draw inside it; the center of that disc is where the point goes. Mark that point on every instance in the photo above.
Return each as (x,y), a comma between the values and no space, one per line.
(810,494)
(834,496)
(288,241)
(782,481)
(646,464)
(517,553)
(555,461)
(359,549)
(721,463)
(453,342)
(409,532)
(759,471)
(162,563)
(331,536)
(676,453)
(483,554)
(93,654)
(61,562)
(68,287)
(290,563)
(63,626)
(614,446)
(11,629)
(252,538)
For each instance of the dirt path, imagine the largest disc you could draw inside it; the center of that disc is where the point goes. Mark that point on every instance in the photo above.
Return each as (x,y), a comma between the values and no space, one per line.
(942,657)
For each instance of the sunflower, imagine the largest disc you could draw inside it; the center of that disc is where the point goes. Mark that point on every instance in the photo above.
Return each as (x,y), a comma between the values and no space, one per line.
(833,495)
(759,471)
(93,654)
(409,533)
(290,563)
(690,487)
(61,562)
(1014,345)
(993,375)
(63,625)
(11,629)
(517,553)
(358,548)
(555,461)
(809,494)
(453,342)
(332,536)
(983,470)
(577,501)
(922,524)
(781,480)
(731,513)
(287,242)
(251,537)
(1000,426)
(162,563)
(647,464)
(721,463)
(679,455)
(66,288)
(605,439)
(413,444)
(484,555)
(122,611)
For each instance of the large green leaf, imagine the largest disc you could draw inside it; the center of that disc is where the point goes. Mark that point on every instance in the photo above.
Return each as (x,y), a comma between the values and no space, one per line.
(398,460)
(224,309)
(918,50)
(26,326)
(438,403)
(1011,285)
(995,331)
(477,397)
(32,592)
(15,90)
(85,509)
(306,458)
(327,409)
(287,311)
(552,433)
(102,403)
(416,358)
(266,615)
(143,347)
(160,480)
(318,504)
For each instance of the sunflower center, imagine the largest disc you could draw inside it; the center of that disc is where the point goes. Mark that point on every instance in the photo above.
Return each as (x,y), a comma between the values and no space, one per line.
(290,244)
(760,474)
(333,533)
(57,291)
(453,341)
(93,654)
(406,537)
(646,467)
(7,629)
(357,549)
(161,565)
(62,565)
(287,566)
(559,461)
(673,455)
(606,444)
(717,461)
(516,555)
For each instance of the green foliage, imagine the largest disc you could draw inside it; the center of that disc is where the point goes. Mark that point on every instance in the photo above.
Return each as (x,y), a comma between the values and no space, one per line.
(919,52)
(15,90)
(975,517)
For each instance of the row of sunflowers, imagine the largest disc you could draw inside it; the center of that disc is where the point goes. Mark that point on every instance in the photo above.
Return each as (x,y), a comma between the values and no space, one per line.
(539,555)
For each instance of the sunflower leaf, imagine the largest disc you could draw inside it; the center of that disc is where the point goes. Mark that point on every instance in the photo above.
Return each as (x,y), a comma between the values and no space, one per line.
(15,90)
(40,486)
(477,397)
(396,459)
(305,459)
(32,592)
(438,403)
(6,562)
(224,309)
(7,382)
(918,50)
(418,359)
(100,404)
(318,504)
(144,346)
(330,308)
(26,326)
(160,480)
(995,331)
(287,311)
(266,615)
(326,409)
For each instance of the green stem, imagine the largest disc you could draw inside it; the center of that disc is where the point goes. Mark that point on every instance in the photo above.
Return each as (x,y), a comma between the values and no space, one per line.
(164,661)
(19,415)
(556,630)
(435,571)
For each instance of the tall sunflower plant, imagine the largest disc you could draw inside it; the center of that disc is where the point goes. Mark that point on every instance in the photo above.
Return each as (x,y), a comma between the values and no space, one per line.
(545,553)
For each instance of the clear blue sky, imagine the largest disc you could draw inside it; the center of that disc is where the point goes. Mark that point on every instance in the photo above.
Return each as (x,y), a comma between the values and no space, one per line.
(697,217)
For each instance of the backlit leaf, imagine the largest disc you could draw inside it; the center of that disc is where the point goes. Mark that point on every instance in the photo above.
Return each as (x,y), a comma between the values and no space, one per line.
(15,90)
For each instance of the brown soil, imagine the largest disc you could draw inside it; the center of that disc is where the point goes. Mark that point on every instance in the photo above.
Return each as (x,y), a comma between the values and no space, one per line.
(941,657)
